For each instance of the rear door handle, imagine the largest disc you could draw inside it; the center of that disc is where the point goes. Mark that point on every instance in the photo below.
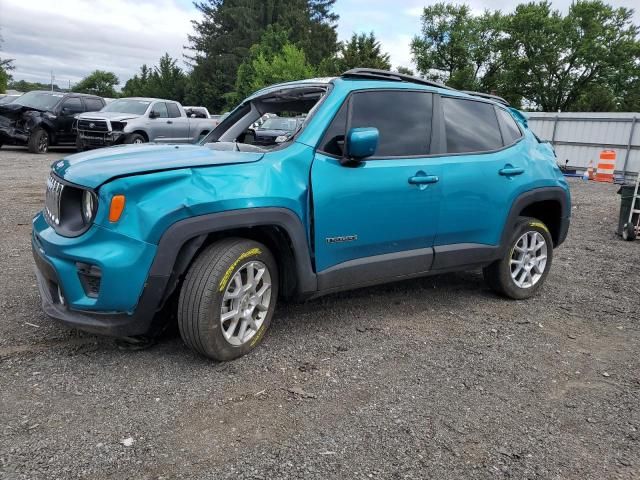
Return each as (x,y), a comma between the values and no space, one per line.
(423,179)
(509,171)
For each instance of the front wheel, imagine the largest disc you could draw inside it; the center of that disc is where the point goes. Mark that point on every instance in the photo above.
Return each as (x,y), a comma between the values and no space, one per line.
(228,298)
(135,138)
(521,272)
(39,141)
(629,232)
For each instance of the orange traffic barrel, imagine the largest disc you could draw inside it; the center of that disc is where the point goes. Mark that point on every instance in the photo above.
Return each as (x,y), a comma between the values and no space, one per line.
(606,166)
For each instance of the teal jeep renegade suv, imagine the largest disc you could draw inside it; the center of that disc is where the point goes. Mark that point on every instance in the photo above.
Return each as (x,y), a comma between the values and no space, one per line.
(388,177)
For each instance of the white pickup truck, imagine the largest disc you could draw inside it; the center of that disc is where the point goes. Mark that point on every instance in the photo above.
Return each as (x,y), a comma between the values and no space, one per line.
(139,120)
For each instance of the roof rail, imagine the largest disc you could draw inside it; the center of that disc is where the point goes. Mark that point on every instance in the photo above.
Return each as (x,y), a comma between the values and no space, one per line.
(488,96)
(376,74)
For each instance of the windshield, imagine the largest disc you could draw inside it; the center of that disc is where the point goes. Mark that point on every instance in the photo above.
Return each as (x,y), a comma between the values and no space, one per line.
(7,99)
(39,100)
(137,107)
(276,123)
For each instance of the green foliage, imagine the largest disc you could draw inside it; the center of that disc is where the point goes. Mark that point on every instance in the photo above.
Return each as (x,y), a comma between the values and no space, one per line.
(581,61)
(362,50)
(166,80)
(99,83)
(229,28)
(457,47)
(24,86)
(563,63)
(405,70)
(287,65)
(6,65)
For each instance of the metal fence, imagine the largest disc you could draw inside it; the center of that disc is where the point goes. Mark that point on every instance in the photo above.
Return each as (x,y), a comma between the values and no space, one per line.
(579,137)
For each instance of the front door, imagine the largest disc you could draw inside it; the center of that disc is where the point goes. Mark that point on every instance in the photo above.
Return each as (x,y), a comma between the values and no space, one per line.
(376,219)
(68,110)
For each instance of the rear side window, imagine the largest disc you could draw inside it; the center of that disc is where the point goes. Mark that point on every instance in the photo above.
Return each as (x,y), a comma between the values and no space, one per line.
(93,104)
(174,111)
(510,130)
(402,118)
(471,126)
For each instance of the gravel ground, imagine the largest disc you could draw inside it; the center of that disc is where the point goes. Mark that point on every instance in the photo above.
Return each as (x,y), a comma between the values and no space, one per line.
(432,378)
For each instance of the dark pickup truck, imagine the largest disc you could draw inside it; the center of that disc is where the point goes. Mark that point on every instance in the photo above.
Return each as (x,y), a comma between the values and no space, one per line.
(39,119)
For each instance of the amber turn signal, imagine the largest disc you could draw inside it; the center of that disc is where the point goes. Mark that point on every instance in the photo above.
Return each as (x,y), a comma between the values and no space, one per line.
(116,208)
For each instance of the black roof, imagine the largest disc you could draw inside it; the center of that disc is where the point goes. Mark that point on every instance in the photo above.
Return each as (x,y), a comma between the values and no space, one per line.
(376,74)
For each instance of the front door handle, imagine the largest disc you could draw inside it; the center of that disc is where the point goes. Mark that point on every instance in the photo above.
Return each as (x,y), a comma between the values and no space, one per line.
(509,171)
(169,121)
(423,179)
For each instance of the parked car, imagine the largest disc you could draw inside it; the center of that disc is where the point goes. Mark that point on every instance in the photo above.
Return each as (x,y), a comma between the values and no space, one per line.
(390,177)
(39,119)
(197,112)
(140,120)
(276,129)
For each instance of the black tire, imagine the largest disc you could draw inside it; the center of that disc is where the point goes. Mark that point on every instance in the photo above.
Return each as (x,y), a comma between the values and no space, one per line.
(80,144)
(629,232)
(201,297)
(135,138)
(498,275)
(39,141)
(1,144)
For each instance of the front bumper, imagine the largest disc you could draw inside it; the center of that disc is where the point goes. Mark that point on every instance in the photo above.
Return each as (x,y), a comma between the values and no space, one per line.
(13,136)
(127,300)
(100,139)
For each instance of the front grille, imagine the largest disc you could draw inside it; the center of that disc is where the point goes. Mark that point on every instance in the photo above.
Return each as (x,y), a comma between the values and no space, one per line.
(93,125)
(52,200)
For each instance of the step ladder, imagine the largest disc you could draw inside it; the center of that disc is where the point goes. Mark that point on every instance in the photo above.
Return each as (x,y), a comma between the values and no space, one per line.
(631,230)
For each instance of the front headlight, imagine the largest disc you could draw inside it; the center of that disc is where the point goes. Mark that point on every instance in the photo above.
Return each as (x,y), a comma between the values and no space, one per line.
(89,203)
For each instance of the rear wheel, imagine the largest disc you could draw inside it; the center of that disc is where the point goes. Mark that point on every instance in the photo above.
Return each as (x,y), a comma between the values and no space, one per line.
(521,272)
(135,138)
(39,141)
(228,298)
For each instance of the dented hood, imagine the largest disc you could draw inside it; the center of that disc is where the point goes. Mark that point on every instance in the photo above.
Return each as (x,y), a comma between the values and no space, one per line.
(13,111)
(92,169)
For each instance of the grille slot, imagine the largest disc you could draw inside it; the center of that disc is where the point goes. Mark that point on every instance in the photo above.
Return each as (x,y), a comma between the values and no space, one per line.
(90,125)
(52,200)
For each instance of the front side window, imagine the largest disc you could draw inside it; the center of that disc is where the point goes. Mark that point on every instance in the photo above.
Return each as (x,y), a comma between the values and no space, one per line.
(403,120)
(511,132)
(72,105)
(160,109)
(471,126)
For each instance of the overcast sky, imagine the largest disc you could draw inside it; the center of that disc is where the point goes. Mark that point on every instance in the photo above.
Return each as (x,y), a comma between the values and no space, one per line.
(74,37)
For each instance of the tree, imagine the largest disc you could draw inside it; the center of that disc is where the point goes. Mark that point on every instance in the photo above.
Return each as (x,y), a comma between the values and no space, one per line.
(165,80)
(6,65)
(459,48)
(223,38)
(289,64)
(564,63)
(362,50)
(99,83)
(405,70)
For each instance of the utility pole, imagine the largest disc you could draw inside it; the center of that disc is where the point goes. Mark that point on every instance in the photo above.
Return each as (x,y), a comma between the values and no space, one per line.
(52,79)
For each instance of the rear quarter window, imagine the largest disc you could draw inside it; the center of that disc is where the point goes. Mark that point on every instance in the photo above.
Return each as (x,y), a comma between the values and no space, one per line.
(510,130)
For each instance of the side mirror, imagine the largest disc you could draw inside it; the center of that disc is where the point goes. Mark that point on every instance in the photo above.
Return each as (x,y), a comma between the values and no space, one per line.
(65,111)
(153,114)
(361,143)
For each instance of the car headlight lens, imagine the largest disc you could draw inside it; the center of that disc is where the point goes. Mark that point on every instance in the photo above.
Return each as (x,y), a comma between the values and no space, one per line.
(89,203)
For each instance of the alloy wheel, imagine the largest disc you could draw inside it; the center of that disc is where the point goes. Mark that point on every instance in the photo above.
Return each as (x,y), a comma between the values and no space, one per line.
(245,303)
(528,259)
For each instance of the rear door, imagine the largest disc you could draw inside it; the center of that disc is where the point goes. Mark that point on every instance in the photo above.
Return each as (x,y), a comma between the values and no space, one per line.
(178,124)
(372,220)
(483,168)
